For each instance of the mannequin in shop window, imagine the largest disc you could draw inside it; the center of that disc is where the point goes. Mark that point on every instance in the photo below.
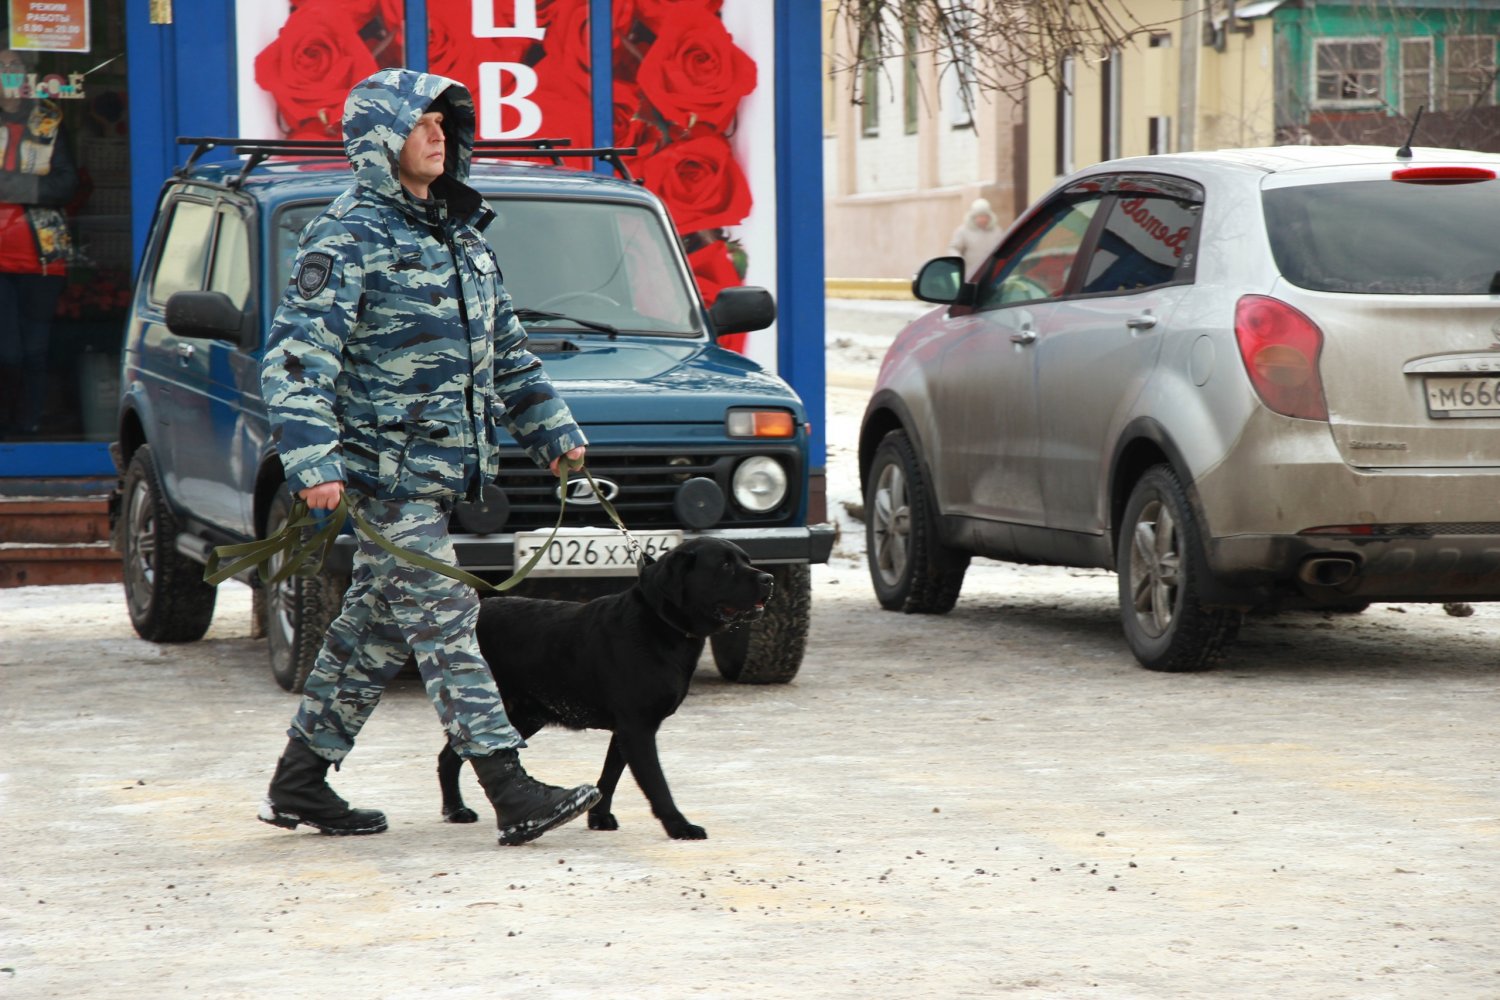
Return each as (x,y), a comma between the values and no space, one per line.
(37,177)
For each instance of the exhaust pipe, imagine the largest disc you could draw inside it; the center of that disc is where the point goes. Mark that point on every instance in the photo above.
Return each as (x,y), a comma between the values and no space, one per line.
(1328,571)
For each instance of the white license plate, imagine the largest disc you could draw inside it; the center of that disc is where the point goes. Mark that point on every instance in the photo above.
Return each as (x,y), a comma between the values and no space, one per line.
(589,551)
(1463,397)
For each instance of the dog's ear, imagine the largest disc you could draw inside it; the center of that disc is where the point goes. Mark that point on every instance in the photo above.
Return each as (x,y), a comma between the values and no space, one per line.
(663,581)
(651,579)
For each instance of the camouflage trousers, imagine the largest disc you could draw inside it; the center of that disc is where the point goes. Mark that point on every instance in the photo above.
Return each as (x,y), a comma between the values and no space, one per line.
(393,609)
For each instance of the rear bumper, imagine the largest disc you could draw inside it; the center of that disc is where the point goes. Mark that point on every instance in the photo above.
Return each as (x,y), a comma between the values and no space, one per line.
(496,553)
(1431,533)
(1438,567)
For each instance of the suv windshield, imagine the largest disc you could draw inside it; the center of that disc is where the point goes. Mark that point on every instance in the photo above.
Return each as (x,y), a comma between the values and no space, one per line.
(595,262)
(1387,237)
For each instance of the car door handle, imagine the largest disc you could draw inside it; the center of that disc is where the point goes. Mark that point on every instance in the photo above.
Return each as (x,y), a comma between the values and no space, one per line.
(1144,321)
(1026,335)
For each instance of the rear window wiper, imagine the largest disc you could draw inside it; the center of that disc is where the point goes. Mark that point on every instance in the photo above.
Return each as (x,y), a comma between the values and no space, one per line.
(526,314)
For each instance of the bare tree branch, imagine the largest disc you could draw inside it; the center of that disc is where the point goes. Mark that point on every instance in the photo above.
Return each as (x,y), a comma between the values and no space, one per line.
(998,45)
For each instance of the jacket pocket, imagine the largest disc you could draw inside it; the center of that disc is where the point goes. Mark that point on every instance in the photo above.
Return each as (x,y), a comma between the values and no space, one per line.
(420,456)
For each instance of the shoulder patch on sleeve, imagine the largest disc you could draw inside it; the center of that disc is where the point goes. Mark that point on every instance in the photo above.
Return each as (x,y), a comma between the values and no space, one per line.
(313,273)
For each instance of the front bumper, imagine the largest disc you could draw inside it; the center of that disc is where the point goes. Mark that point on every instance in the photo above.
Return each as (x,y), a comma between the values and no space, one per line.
(496,553)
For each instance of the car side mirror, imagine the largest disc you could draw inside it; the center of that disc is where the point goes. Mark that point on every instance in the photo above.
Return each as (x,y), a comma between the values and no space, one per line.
(941,280)
(207,315)
(742,310)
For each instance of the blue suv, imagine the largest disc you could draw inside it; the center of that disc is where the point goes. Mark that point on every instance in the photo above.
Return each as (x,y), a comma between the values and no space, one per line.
(686,438)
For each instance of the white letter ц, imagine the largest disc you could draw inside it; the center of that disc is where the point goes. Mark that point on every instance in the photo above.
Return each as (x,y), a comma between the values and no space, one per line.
(526,26)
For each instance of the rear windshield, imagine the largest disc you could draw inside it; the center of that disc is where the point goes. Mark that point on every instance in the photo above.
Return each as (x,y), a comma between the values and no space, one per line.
(1387,237)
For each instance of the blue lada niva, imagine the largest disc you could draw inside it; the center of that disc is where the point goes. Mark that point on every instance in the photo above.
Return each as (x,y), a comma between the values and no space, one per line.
(686,438)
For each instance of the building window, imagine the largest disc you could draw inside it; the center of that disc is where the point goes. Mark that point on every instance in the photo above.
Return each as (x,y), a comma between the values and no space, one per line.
(1161,40)
(959,74)
(1109,106)
(1063,160)
(1349,72)
(1470,69)
(869,86)
(1416,75)
(1158,134)
(910,95)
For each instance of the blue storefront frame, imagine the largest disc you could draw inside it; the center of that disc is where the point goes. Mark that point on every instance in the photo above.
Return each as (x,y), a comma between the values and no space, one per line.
(189,67)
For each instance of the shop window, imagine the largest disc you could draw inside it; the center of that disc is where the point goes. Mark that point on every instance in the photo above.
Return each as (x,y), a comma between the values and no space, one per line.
(65,229)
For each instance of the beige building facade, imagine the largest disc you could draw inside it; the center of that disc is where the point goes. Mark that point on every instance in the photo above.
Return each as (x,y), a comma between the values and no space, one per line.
(1197,76)
(908,146)
(905,155)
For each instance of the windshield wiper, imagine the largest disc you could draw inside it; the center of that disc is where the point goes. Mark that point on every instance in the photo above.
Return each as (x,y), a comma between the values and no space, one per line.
(588,324)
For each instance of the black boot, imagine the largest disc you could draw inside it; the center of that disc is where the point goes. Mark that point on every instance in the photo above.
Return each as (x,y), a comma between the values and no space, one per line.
(524,807)
(299,794)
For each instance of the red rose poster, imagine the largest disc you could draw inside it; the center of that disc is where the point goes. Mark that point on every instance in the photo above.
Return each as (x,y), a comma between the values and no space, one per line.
(691,89)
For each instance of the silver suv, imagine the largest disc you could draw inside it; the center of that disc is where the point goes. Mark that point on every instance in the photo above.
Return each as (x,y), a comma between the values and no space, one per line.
(1247,379)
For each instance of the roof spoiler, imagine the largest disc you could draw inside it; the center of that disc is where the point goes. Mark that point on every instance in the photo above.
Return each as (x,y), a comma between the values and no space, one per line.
(257,151)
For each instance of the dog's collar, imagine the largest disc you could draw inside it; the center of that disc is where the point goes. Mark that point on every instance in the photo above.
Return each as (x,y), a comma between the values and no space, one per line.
(676,626)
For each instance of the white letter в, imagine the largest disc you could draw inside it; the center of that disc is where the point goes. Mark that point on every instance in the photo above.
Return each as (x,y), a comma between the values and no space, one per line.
(492,98)
(526,26)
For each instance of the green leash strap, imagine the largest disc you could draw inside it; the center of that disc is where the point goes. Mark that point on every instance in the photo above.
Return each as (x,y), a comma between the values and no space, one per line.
(297,556)
(285,542)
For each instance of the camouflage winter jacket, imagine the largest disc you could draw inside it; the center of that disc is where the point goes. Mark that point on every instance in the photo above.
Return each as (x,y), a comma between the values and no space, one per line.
(395,357)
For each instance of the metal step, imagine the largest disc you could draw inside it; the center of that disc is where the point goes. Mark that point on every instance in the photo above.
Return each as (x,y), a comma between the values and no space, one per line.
(46,541)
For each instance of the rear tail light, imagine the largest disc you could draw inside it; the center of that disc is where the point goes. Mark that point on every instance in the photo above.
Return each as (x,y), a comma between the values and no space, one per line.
(1280,347)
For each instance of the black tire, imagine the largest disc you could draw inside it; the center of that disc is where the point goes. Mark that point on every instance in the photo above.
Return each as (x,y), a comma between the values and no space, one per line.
(770,651)
(298,610)
(1158,557)
(164,590)
(910,569)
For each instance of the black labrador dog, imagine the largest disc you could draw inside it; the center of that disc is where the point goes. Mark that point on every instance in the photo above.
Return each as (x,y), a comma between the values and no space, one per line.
(621,662)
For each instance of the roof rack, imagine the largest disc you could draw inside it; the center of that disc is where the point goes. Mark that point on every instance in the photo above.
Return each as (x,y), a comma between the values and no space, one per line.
(555,150)
(257,151)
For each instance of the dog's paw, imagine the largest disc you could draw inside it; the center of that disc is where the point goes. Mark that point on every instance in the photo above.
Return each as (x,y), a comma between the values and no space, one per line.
(603,821)
(686,831)
(463,814)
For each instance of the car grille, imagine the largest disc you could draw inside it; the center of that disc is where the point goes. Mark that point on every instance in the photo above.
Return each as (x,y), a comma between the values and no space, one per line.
(648,483)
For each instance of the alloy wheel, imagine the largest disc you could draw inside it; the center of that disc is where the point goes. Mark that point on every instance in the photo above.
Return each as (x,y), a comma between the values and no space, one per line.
(1155,568)
(140,566)
(891,524)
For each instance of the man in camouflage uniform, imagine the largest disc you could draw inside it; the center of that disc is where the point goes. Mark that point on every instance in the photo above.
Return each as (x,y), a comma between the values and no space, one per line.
(395,361)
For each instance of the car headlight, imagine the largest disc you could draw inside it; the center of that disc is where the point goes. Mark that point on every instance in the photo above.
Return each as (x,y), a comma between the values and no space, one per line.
(759,484)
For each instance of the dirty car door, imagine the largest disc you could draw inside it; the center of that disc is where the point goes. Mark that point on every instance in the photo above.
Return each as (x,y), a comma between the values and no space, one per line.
(1105,337)
(987,409)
